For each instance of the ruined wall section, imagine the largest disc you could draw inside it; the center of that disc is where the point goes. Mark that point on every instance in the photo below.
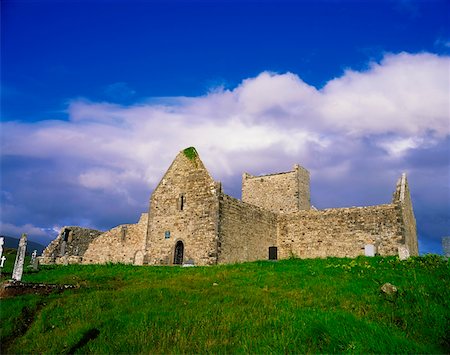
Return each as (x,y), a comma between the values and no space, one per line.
(246,231)
(122,244)
(78,240)
(280,193)
(402,199)
(184,207)
(340,232)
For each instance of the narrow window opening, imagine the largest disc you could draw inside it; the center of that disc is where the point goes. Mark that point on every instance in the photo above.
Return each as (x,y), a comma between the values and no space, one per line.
(181,202)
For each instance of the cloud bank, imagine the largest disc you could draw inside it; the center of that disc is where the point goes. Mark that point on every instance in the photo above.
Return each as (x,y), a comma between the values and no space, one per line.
(356,135)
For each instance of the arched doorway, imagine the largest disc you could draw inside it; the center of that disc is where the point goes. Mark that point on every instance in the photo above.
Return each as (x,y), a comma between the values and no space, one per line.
(178,255)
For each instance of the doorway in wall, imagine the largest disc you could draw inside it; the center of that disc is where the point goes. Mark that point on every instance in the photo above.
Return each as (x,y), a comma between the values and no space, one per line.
(178,255)
(273,253)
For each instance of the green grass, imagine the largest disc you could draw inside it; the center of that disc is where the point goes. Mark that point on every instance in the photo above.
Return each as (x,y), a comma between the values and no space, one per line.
(291,306)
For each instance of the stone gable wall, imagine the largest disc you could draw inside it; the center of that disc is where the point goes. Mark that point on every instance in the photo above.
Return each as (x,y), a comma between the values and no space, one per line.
(195,224)
(340,232)
(280,193)
(246,231)
(122,244)
(402,199)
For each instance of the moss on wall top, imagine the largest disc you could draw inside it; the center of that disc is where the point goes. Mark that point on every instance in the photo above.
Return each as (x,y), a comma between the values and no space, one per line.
(190,153)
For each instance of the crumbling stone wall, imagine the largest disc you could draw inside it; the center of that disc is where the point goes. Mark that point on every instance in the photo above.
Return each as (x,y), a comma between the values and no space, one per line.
(189,210)
(78,241)
(340,232)
(402,199)
(122,244)
(184,207)
(280,193)
(245,232)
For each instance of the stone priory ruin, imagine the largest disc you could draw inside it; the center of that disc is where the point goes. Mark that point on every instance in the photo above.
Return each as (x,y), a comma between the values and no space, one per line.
(191,221)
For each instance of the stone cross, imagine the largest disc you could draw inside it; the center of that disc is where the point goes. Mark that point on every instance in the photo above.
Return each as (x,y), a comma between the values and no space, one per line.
(2,262)
(20,258)
(1,246)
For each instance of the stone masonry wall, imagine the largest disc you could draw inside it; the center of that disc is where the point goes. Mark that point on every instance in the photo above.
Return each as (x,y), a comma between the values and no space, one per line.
(402,199)
(340,232)
(122,244)
(184,207)
(246,231)
(76,245)
(280,193)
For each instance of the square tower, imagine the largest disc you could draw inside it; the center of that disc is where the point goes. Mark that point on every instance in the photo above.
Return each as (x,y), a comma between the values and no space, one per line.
(280,193)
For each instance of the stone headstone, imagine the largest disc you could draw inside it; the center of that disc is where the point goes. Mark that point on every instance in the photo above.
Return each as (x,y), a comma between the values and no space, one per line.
(20,258)
(446,246)
(188,263)
(34,260)
(403,252)
(369,250)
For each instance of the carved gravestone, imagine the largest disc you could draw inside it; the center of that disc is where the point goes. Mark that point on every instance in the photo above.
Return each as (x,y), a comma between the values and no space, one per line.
(369,250)
(20,258)
(2,262)
(403,252)
(34,260)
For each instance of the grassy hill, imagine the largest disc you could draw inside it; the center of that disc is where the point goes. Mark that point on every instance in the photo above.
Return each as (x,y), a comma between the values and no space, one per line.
(292,306)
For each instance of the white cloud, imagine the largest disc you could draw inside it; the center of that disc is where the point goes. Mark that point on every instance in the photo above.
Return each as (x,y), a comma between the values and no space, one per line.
(12,230)
(404,94)
(405,97)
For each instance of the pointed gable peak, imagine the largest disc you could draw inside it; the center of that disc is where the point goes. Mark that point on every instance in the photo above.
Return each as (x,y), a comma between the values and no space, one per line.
(191,156)
(190,153)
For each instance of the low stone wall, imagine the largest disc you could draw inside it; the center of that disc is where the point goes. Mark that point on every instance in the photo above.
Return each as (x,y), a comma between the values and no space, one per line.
(340,232)
(245,231)
(122,244)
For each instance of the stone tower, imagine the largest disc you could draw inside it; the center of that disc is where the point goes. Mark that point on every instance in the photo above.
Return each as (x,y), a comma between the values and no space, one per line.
(280,193)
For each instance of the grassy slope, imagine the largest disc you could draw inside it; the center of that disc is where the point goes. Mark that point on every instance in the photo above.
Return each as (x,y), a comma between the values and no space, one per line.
(297,306)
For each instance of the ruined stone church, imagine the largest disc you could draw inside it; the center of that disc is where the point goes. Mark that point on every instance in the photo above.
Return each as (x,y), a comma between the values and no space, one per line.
(191,221)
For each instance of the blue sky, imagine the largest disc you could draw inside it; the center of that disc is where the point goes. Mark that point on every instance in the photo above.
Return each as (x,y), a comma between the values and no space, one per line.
(99,96)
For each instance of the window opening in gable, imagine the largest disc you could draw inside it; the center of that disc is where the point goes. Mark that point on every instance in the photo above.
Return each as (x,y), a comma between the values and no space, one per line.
(181,202)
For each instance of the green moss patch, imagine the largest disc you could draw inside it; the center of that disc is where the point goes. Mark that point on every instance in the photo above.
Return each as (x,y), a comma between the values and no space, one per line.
(190,153)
